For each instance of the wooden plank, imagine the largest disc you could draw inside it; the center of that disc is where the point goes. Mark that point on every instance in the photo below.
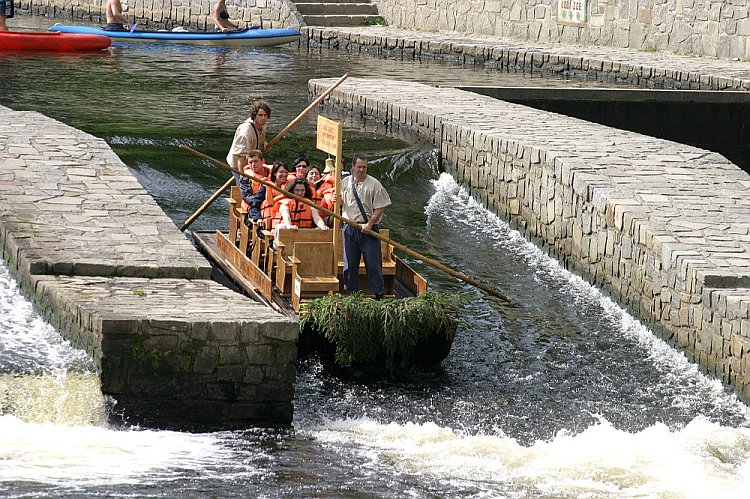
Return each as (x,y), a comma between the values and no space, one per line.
(260,281)
(408,278)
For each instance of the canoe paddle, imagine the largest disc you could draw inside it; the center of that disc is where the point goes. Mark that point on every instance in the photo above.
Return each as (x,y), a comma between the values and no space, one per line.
(398,246)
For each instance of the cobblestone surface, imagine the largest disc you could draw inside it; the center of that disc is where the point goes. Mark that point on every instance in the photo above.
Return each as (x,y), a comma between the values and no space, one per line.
(70,206)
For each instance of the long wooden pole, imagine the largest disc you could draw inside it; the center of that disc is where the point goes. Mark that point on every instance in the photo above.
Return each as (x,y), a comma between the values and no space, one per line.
(398,246)
(205,205)
(278,137)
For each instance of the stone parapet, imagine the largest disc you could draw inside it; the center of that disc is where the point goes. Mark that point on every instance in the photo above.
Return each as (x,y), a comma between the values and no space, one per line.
(661,226)
(179,353)
(70,206)
(630,67)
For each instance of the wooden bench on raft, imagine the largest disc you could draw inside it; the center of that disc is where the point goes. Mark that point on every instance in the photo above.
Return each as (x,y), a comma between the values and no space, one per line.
(245,237)
(313,273)
(285,243)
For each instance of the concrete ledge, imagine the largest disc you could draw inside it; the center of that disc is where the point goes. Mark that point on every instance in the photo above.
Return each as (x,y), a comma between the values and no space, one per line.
(179,353)
(663,227)
(70,206)
(632,67)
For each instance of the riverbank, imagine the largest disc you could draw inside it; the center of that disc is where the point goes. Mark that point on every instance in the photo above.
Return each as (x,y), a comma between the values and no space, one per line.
(111,271)
(625,66)
(660,226)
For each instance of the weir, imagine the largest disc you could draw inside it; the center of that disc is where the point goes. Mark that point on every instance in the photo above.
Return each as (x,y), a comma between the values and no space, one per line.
(661,226)
(110,270)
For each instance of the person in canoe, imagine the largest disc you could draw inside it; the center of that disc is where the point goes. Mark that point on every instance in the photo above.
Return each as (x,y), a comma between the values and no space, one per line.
(249,136)
(116,21)
(363,200)
(6,12)
(221,17)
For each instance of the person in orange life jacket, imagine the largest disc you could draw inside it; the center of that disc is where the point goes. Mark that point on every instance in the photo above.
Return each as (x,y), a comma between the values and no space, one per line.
(292,214)
(299,166)
(249,136)
(363,200)
(221,17)
(266,197)
(249,188)
(313,175)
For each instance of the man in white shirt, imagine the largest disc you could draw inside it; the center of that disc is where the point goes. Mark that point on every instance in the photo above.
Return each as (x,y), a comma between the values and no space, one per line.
(366,208)
(249,136)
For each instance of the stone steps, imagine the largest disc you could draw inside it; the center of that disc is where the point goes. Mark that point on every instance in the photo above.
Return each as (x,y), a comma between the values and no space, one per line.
(352,9)
(337,12)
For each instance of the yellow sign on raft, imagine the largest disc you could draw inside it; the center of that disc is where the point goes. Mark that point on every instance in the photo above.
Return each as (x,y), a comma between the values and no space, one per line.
(329,136)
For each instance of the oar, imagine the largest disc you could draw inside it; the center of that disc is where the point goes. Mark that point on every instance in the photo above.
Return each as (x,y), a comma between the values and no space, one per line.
(396,245)
(278,137)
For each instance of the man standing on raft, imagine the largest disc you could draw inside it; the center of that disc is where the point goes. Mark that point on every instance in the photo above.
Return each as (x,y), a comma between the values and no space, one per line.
(363,200)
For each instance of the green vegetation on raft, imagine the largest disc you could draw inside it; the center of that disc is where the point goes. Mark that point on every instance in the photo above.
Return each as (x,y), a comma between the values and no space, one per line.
(362,329)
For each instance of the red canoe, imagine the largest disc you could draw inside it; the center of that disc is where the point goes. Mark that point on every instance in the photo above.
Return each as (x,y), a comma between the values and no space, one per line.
(11,41)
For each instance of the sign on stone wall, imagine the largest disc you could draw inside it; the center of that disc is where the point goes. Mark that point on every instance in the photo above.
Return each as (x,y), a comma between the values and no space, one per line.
(571,12)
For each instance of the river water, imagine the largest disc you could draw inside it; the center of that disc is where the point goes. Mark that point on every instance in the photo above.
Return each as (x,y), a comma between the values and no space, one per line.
(562,395)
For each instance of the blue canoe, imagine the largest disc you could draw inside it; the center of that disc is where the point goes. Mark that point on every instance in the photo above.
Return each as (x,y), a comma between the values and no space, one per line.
(246,37)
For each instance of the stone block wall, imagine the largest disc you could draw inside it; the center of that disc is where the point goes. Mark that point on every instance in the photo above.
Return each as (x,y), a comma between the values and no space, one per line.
(167,14)
(194,366)
(718,28)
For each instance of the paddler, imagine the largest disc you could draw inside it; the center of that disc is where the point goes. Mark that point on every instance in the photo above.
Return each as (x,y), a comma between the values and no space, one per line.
(6,12)
(116,21)
(221,18)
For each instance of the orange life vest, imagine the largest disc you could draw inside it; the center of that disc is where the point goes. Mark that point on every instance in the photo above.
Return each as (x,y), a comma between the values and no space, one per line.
(299,213)
(255,184)
(316,198)
(268,210)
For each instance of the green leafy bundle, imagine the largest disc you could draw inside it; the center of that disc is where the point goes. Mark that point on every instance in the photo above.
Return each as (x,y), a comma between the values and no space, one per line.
(366,331)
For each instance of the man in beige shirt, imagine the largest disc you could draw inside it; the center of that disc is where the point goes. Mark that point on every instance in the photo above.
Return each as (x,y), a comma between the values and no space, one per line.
(363,200)
(249,136)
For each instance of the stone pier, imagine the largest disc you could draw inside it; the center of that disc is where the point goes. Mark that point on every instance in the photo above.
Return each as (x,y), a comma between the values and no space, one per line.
(606,64)
(110,270)
(662,227)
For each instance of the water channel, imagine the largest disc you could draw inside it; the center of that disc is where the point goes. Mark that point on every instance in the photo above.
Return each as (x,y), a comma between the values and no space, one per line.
(563,395)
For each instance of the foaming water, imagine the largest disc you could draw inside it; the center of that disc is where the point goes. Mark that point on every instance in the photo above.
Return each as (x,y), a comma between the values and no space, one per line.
(83,455)
(703,459)
(618,341)
(27,343)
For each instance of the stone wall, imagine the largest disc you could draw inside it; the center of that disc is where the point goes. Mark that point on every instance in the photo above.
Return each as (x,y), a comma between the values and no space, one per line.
(157,14)
(706,28)
(660,226)
(107,267)
(178,353)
